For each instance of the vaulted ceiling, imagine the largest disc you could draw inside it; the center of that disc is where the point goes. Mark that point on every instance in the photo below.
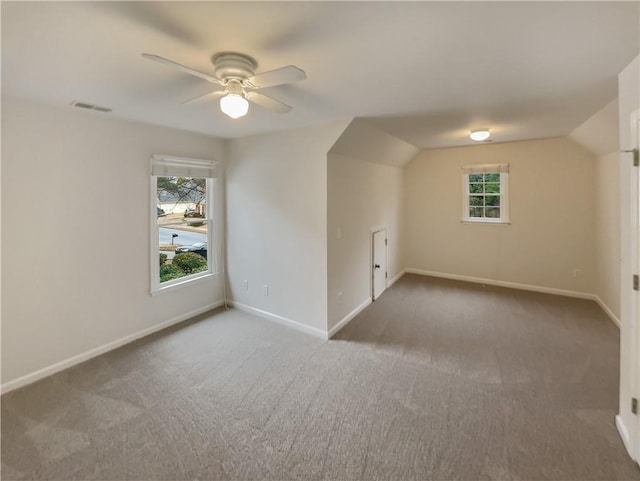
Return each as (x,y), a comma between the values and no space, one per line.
(426,72)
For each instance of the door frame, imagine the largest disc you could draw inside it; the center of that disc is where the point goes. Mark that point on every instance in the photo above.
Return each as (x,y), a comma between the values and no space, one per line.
(372,234)
(634,298)
(629,297)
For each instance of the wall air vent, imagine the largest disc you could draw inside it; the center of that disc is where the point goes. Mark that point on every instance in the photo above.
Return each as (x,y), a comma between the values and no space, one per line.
(85,105)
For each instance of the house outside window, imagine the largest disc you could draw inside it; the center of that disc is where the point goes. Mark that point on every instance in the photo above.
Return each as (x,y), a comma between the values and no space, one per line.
(485,194)
(182,221)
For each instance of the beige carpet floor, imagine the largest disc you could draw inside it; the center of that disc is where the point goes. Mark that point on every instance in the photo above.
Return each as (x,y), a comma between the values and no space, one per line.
(437,380)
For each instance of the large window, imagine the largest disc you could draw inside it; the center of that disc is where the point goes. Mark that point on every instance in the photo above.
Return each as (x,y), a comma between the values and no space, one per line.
(182,221)
(485,193)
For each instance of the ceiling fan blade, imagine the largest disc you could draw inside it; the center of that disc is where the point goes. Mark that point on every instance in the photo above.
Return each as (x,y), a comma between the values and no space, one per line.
(216,94)
(279,76)
(181,67)
(268,102)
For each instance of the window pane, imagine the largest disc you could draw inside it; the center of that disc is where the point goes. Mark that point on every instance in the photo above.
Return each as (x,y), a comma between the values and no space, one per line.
(493,212)
(180,197)
(492,200)
(183,249)
(475,211)
(185,233)
(476,200)
(492,188)
(475,188)
(182,226)
(484,195)
(171,213)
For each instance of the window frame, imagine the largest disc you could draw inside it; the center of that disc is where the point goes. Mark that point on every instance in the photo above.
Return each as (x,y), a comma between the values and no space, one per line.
(210,217)
(503,171)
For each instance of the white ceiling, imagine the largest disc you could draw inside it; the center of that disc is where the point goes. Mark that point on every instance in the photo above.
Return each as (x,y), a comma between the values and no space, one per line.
(426,72)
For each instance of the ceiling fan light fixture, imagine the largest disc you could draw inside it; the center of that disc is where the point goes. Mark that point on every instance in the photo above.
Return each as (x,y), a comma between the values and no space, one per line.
(237,83)
(234,105)
(479,135)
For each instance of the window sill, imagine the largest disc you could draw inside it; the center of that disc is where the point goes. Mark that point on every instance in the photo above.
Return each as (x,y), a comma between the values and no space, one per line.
(156,291)
(486,222)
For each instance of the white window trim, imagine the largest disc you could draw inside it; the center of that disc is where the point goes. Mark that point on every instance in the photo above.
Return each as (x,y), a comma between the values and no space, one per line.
(161,288)
(503,170)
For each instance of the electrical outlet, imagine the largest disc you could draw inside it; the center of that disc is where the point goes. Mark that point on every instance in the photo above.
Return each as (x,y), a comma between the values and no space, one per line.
(339,233)
(266,290)
(339,297)
(576,273)
(245,285)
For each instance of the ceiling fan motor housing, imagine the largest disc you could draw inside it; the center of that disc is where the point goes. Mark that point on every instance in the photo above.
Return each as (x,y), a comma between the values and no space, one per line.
(231,65)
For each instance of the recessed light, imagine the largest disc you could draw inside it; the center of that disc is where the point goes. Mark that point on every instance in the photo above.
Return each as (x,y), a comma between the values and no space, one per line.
(479,135)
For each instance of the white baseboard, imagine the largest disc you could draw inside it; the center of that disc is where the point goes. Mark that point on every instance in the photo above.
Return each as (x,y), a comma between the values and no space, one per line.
(624,435)
(85,356)
(608,311)
(396,278)
(525,287)
(512,285)
(345,320)
(280,320)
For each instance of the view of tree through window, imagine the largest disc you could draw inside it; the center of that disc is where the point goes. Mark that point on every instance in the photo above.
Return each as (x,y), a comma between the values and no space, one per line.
(182,226)
(484,195)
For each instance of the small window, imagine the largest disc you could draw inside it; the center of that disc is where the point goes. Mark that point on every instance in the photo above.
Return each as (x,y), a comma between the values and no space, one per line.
(182,220)
(485,193)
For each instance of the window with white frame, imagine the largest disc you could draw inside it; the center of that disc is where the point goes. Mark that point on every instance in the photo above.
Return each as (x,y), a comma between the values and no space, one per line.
(182,220)
(486,193)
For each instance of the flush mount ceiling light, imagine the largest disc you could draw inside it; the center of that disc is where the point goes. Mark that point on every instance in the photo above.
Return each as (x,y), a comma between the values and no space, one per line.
(479,135)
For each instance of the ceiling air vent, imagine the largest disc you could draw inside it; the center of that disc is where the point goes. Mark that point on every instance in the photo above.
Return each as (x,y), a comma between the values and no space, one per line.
(85,105)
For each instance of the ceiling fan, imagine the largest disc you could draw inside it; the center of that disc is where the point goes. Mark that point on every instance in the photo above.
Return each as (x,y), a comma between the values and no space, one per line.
(237,84)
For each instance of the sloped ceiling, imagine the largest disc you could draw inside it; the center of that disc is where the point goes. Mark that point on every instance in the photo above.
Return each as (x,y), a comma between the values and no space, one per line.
(366,142)
(599,134)
(425,72)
